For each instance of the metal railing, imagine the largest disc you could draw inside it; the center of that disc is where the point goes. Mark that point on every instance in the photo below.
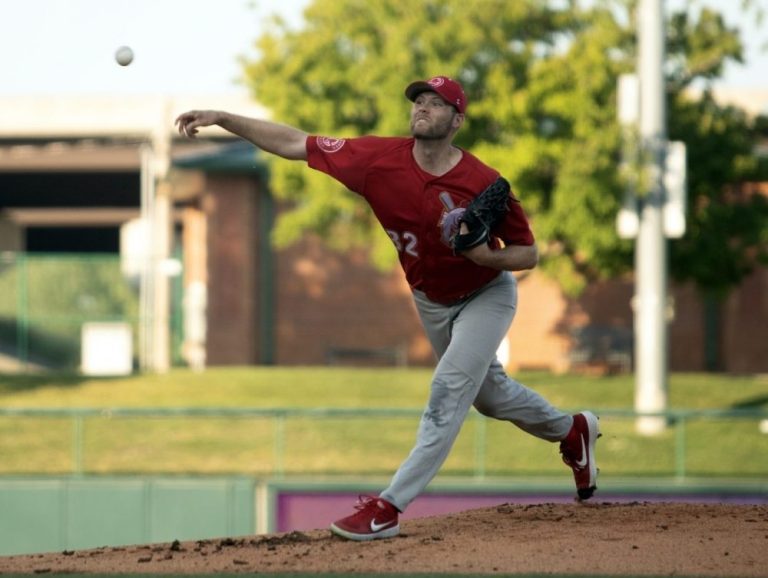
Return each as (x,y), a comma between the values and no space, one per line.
(678,421)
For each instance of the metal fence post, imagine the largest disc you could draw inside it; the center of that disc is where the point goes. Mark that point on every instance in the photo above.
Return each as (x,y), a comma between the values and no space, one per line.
(279,443)
(680,446)
(480,446)
(22,313)
(77,445)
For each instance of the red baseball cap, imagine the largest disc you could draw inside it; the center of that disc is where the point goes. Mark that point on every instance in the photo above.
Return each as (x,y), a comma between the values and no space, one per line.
(450,91)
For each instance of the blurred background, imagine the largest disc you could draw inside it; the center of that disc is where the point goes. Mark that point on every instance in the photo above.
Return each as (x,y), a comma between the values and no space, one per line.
(154,290)
(213,254)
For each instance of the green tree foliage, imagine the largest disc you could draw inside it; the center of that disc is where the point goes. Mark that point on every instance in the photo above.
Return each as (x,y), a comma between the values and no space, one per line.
(727,231)
(727,235)
(541,79)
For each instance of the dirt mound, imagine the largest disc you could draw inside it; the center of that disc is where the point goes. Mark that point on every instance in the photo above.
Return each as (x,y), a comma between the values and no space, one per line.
(599,538)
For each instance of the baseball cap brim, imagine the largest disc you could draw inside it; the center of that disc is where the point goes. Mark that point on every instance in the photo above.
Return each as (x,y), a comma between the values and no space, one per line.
(416,88)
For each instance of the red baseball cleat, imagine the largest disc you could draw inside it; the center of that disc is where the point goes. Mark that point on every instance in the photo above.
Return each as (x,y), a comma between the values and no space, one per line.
(375,518)
(578,449)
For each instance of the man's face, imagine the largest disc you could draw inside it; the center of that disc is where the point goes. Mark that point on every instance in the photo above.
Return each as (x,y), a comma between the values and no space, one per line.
(432,118)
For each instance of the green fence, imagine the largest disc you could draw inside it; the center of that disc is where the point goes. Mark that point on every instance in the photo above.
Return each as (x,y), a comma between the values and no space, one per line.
(45,299)
(279,442)
(50,515)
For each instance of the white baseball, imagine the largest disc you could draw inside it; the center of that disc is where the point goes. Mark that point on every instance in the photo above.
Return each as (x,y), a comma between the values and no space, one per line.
(124,55)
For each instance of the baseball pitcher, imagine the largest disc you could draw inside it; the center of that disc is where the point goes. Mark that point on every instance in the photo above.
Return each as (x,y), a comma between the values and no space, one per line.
(459,232)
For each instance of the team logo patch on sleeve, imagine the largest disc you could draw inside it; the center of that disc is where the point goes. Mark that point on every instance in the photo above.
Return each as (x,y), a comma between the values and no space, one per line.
(330,145)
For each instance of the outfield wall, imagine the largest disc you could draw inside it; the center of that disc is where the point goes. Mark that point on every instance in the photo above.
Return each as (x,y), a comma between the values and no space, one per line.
(64,514)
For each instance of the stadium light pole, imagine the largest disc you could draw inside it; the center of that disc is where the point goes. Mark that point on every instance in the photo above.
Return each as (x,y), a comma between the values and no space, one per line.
(156,217)
(162,238)
(146,278)
(650,302)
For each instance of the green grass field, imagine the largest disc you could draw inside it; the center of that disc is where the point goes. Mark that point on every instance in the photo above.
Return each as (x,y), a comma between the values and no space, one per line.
(357,445)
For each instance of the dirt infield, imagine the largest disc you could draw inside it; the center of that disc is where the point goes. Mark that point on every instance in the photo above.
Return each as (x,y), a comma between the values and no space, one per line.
(600,538)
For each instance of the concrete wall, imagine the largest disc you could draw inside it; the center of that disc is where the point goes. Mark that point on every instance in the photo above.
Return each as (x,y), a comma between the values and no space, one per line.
(48,515)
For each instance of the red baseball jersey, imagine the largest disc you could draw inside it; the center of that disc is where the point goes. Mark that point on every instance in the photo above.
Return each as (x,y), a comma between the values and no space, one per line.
(411,205)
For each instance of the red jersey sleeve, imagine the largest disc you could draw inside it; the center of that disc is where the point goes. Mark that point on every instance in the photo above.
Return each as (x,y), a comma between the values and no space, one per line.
(515,229)
(346,160)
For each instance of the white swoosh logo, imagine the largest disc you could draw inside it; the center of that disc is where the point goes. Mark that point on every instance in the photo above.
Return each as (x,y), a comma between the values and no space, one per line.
(376,527)
(583,461)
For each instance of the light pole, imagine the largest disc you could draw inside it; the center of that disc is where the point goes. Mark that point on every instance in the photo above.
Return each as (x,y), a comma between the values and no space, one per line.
(653,210)
(650,303)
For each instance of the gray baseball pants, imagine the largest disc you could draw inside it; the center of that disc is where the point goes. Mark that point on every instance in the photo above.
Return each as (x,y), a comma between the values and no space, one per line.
(465,337)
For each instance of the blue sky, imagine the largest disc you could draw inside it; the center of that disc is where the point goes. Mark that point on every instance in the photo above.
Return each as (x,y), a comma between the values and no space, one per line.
(185,46)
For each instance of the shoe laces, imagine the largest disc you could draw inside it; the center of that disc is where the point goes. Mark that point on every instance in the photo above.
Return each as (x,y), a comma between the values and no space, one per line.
(367,504)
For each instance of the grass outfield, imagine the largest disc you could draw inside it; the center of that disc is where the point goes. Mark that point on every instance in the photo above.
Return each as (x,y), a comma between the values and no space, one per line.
(363,445)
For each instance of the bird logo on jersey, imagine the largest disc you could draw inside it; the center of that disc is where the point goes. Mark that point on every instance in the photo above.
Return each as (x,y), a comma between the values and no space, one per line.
(329,144)
(450,219)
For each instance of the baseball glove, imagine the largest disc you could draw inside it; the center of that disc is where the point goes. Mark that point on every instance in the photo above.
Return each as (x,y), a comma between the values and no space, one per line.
(482,214)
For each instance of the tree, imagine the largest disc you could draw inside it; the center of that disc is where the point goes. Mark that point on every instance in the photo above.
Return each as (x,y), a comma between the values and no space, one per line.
(541,80)
(344,74)
(727,233)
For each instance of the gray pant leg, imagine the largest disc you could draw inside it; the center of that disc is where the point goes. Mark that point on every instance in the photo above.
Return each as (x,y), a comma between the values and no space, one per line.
(504,398)
(465,338)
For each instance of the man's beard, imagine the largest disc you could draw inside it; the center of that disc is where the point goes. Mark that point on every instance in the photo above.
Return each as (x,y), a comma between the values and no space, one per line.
(439,131)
